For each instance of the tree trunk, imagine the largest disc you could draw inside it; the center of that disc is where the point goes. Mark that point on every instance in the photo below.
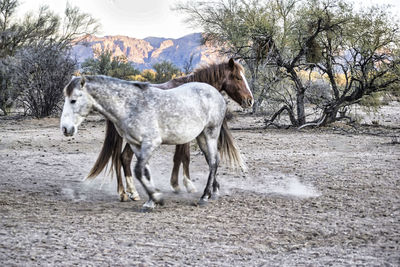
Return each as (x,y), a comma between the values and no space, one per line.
(330,114)
(301,115)
(252,86)
(256,107)
(300,93)
(289,111)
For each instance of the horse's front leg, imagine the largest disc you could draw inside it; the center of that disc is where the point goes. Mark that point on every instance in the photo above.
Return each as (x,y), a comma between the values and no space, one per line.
(175,169)
(186,174)
(215,194)
(182,155)
(126,160)
(142,172)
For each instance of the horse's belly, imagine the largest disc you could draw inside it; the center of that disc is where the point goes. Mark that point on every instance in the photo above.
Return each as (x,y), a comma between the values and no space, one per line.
(181,135)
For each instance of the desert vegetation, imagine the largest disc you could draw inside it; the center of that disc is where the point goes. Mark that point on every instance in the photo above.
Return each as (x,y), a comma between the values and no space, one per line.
(34,56)
(311,60)
(104,63)
(323,52)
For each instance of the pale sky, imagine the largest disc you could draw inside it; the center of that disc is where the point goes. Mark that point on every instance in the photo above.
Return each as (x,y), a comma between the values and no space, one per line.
(134,18)
(142,18)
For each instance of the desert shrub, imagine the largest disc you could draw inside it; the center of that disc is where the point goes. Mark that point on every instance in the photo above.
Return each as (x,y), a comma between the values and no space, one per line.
(165,71)
(7,93)
(318,92)
(106,64)
(40,73)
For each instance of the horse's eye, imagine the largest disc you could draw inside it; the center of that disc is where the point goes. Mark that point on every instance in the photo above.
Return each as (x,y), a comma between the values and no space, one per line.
(239,78)
(73,101)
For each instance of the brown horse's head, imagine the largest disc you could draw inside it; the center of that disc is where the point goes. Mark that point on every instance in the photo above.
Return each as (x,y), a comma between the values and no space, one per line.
(235,84)
(228,77)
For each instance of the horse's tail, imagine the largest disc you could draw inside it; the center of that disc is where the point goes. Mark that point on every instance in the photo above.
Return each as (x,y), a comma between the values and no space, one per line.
(228,149)
(112,147)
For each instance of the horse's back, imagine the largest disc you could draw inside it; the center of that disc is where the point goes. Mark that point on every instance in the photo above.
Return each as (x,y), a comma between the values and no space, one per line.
(203,92)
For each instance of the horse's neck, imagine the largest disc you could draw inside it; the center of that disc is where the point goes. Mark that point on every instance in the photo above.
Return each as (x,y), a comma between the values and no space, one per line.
(108,99)
(217,83)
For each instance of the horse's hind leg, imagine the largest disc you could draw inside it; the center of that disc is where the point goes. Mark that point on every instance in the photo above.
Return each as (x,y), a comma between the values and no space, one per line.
(126,159)
(209,145)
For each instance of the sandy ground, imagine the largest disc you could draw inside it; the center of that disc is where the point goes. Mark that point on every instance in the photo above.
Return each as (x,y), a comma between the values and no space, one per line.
(312,197)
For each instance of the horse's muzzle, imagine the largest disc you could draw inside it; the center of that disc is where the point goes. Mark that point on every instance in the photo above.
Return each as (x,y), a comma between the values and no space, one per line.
(68,131)
(248,102)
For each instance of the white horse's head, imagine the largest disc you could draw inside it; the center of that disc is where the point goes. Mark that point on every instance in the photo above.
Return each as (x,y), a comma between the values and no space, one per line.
(77,106)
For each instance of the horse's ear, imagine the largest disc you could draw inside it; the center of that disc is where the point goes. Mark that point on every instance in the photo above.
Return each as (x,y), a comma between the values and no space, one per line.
(83,80)
(231,63)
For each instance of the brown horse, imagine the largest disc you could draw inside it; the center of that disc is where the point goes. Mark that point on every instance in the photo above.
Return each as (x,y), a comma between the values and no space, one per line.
(227,76)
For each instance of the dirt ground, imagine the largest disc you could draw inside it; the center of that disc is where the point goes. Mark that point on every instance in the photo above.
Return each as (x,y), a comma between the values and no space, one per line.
(320,197)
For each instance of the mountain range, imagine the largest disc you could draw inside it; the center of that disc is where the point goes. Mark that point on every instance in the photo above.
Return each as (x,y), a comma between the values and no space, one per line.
(143,53)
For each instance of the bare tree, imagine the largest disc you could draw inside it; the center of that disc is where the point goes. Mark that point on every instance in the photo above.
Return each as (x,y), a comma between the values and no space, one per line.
(188,65)
(75,26)
(285,37)
(264,32)
(365,54)
(239,29)
(14,35)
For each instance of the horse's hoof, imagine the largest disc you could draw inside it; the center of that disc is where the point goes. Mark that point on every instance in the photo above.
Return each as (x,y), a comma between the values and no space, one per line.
(202,202)
(176,189)
(191,190)
(148,206)
(158,199)
(161,202)
(190,187)
(146,209)
(214,196)
(134,197)
(123,198)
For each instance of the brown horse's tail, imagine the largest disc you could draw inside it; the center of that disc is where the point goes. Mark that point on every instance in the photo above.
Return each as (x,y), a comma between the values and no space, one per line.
(112,147)
(227,147)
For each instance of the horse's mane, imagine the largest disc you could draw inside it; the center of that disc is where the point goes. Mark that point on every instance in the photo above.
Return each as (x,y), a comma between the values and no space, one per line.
(105,79)
(101,79)
(210,73)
